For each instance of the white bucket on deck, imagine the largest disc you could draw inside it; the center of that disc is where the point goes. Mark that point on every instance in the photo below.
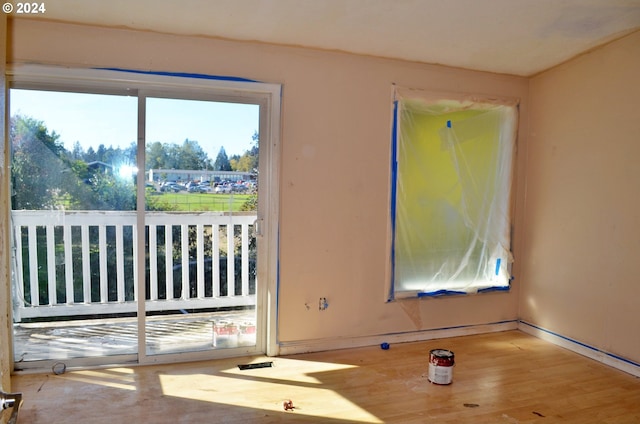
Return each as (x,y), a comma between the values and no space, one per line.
(441,366)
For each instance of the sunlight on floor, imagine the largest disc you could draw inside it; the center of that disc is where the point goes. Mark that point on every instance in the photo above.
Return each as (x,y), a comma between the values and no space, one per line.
(268,388)
(117,378)
(287,370)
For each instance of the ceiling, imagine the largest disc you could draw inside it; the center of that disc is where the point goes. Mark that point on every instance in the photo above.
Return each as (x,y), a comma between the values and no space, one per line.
(519,37)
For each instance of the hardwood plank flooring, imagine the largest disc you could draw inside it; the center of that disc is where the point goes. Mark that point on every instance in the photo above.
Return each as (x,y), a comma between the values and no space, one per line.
(508,377)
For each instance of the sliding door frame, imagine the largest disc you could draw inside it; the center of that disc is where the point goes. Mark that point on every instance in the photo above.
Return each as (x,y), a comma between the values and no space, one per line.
(194,87)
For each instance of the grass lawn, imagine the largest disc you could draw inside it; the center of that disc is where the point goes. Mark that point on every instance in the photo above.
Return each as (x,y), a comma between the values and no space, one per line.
(196,202)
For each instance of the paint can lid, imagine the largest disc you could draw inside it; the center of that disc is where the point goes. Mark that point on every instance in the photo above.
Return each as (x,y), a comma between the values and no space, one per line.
(441,353)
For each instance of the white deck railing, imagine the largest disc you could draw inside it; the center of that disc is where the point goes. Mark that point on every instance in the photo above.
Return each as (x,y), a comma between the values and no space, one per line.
(82,262)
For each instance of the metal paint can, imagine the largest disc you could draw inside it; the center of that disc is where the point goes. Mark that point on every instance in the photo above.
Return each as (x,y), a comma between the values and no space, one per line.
(225,334)
(247,334)
(441,363)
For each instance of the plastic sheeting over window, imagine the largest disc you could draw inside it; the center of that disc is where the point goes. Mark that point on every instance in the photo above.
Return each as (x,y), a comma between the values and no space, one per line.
(452,172)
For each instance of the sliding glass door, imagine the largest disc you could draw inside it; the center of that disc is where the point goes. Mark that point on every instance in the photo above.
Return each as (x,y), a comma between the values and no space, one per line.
(135,208)
(73,209)
(201,208)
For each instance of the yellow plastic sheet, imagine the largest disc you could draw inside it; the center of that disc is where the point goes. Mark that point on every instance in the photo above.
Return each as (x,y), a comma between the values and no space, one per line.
(451,202)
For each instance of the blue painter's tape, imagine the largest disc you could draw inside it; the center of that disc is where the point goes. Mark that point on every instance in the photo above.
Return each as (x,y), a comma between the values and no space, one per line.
(182,75)
(595,349)
(494,288)
(455,292)
(394,180)
(440,293)
(448,124)
(455,327)
(498,261)
(277,294)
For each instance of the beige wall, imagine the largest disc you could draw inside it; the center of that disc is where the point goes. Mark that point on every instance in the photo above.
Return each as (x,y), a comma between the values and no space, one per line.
(582,241)
(334,171)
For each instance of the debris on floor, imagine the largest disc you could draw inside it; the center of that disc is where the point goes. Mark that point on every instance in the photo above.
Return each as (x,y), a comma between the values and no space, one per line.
(59,368)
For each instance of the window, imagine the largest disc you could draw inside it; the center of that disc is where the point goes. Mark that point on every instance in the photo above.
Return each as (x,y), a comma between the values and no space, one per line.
(450,204)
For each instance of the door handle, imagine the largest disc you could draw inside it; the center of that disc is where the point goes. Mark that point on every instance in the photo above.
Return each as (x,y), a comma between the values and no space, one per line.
(257,225)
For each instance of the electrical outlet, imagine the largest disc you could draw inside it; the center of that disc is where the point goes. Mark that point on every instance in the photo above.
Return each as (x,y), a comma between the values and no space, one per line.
(322,304)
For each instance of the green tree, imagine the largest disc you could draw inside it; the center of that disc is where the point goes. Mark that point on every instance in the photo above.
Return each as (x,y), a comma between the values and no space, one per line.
(37,164)
(173,156)
(157,156)
(113,156)
(101,153)
(44,175)
(192,156)
(248,162)
(112,193)
(78,152)
(222,161)
(90,155)
(130,154)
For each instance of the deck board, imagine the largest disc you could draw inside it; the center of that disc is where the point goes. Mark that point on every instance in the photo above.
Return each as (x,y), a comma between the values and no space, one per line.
(118,336)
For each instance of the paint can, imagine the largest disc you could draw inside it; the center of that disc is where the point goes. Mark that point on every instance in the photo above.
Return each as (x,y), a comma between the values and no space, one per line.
(247,334)
(441,366)
(225,334)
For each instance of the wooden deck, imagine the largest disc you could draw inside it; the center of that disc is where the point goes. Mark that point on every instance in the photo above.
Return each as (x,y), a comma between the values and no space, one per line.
(507,377)
(118,336)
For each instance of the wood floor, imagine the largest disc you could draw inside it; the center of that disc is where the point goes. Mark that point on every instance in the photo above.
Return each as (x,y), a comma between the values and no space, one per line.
(507,377)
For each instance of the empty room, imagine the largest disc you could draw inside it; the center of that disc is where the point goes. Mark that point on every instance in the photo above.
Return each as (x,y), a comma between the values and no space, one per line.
(341,211)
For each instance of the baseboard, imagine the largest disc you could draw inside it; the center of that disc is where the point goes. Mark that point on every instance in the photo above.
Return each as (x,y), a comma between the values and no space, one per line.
(319,345)
(607,358)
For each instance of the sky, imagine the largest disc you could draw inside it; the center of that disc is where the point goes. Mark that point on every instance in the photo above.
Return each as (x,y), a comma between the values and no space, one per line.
(94,119)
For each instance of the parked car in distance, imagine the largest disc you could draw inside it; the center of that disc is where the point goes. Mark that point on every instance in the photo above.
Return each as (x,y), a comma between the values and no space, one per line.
(239,188)
(195,189)
(170,186)
(222,189)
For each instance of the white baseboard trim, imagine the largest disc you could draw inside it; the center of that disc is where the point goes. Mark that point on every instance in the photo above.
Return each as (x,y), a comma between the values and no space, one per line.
(607,358)
(319,345)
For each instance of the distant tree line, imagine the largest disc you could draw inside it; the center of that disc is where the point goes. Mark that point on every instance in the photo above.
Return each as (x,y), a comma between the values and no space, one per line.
(46,175)
(190,155)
